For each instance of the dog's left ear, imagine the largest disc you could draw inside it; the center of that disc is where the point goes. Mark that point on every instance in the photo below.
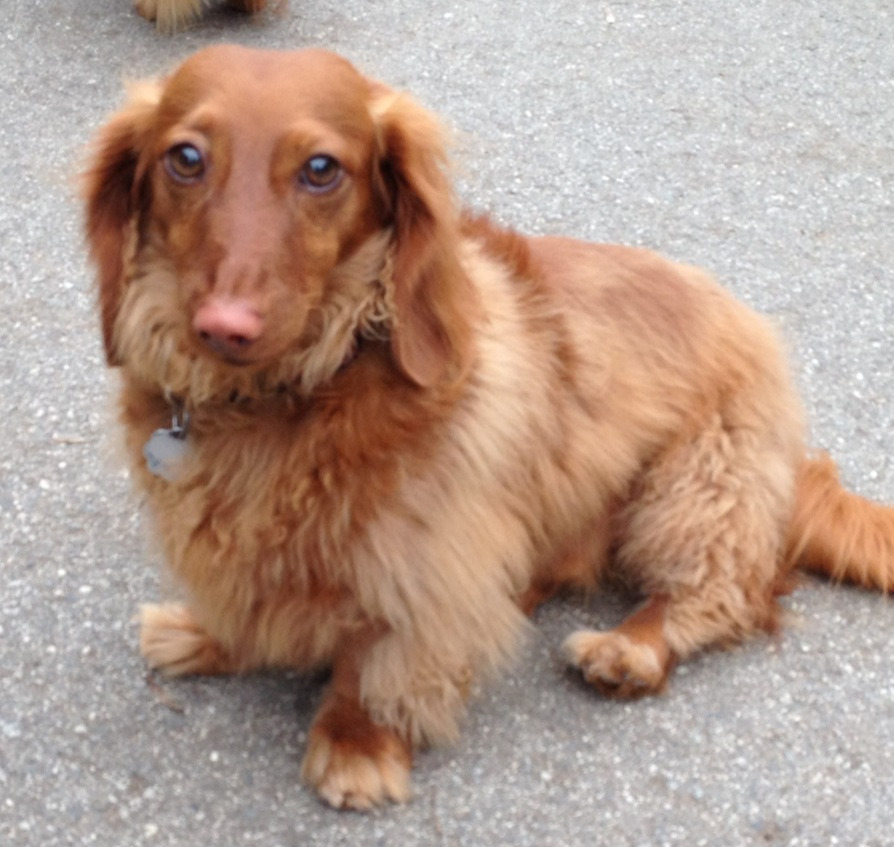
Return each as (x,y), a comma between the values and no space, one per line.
(114,193)
(431,337)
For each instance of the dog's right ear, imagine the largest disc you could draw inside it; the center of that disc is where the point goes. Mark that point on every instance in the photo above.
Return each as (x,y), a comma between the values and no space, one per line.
(115,193)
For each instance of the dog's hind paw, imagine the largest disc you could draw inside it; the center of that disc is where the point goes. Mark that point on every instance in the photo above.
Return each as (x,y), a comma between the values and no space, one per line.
(354,763)
(615,664)
(173,642)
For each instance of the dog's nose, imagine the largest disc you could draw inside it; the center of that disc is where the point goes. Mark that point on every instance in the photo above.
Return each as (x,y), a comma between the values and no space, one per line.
(229,327)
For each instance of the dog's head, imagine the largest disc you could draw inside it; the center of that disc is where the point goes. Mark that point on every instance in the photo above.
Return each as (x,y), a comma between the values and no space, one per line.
(255,212)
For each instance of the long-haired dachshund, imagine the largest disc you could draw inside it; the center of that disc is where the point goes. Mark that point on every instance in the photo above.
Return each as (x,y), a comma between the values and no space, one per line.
(375,432)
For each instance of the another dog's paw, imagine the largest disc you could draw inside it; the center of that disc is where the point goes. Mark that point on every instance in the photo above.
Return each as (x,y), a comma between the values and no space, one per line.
(147,9)
(615,664)
(359,767)
(173,642)
(169,15)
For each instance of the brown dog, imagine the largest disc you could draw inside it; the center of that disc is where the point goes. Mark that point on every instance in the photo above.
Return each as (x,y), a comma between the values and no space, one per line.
(398,428)
(171,15)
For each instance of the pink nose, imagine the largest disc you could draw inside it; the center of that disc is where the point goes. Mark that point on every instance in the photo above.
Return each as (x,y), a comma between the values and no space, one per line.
(228,327)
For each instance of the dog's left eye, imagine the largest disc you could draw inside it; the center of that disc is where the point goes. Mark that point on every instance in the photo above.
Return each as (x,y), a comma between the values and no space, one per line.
(185,163)
(321,173)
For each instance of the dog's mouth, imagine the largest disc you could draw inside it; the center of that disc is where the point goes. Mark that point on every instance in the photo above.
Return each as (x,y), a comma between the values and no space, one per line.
(236,351)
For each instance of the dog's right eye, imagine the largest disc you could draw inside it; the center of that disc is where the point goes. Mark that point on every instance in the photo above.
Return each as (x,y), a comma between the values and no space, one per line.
(185,163)
(321,173)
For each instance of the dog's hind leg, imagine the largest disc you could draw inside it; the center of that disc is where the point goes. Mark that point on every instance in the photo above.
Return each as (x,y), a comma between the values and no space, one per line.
(703,537)
(632,660)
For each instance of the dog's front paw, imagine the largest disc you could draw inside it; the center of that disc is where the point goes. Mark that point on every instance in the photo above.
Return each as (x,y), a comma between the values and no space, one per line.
(615,664)
(173,642)
(354,763)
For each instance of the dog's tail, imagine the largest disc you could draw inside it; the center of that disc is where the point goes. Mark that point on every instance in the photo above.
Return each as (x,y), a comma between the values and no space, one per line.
(839,534)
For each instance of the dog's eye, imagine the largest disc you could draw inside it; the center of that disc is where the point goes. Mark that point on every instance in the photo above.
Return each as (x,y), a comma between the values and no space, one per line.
(321,173)
(185,163)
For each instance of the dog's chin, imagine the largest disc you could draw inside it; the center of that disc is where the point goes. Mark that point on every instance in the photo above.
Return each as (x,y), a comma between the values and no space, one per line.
(227,357)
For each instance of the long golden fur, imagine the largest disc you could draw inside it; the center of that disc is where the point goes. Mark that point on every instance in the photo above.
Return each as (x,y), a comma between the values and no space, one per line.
(408,426)
(171,15)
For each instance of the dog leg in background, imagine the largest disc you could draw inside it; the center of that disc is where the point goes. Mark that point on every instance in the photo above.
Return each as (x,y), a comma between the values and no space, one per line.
(248,5)
(576,567)
(173,15)
(170,15)
(352,761)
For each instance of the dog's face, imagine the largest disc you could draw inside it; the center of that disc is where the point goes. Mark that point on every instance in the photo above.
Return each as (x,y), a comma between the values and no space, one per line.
(248,215)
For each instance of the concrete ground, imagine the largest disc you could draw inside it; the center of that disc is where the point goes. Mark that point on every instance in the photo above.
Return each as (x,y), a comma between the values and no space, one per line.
(756,139)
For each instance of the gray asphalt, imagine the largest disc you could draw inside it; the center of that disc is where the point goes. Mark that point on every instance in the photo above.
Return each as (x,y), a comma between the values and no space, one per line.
(756,139)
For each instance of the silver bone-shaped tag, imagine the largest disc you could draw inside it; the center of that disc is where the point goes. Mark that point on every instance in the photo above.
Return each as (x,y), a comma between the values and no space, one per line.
(167,447)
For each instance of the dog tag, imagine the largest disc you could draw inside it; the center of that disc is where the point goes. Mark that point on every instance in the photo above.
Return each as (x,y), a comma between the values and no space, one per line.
(166,448)
(165,451)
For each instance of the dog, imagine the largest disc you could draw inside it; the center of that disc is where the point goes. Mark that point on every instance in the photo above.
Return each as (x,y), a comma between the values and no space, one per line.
(173,15)
(376,431)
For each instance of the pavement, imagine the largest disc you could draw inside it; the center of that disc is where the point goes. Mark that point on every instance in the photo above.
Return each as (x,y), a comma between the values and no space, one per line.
(755,139)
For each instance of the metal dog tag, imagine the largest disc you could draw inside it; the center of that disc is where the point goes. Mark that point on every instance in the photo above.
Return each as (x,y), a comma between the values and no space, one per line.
(166,448)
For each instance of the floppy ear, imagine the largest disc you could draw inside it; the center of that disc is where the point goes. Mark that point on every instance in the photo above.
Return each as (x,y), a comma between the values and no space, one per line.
(431,336)
(115,194)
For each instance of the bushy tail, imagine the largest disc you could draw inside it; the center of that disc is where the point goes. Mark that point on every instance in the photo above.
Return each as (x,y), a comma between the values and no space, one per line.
(839,534)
